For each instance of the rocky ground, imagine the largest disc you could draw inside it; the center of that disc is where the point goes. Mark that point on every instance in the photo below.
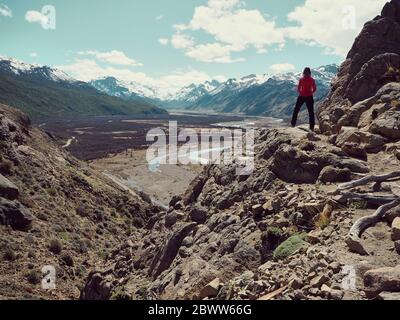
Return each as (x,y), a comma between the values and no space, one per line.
(285,231)
(280,227)
(55,210)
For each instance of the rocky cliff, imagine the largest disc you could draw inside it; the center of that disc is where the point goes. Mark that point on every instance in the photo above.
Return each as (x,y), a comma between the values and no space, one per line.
(55,210)
(373,61)
(295,228)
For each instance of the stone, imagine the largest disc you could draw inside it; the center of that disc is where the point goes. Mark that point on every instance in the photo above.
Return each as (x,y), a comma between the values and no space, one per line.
(314,236)
(268,206)
(15,215)
(8,189)
(397,246)
(171,218)
(335,267)
(380,280)
(332,174)
(396,229)
(336,294)
(296,283)
(395,296)
(318,281)
(198,214)
(264,268)
(211,289)
(355,245)
(97,288)
(388,125)
(326,290)
(170,250)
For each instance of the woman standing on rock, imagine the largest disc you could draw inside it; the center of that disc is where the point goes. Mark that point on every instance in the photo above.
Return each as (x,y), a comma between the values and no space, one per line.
(306,90)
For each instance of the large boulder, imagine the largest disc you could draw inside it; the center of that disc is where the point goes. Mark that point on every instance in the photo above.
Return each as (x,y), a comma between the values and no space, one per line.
(332,174)
(373,61)
(396,229)
(380,280)
(357,143)
(15,215)
(97,288)
(388,125)
(8,189)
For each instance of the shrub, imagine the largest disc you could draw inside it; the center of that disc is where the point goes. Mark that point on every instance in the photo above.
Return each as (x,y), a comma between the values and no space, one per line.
(64,236)
(34,277)
(80,271)
(273,237)
(6,167)
(290,246)
(82,211)
(52,192)
(67,259)
(102,254)
(120,293)
(55,246)
(10,255)
(322,221)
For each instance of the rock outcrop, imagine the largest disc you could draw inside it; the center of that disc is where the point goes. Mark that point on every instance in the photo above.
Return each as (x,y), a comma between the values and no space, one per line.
(373,61)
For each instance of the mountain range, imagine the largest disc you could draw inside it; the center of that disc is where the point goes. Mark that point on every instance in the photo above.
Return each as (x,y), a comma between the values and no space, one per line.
(265,94)
(42,91)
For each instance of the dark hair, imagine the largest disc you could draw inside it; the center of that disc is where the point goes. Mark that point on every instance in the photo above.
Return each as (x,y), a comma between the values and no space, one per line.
(307,71)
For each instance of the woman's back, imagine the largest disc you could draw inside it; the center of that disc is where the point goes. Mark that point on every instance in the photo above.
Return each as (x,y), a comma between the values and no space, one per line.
(307,86)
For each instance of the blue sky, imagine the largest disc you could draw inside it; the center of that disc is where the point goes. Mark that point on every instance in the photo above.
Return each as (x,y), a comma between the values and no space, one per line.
(170,43)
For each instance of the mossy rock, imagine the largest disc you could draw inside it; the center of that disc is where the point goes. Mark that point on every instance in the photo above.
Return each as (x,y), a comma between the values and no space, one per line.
(290,246)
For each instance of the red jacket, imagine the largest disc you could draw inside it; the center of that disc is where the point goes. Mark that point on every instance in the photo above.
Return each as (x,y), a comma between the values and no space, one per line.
(307,87)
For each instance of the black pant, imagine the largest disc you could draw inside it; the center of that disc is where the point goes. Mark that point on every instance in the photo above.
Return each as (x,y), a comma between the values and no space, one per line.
(309,101)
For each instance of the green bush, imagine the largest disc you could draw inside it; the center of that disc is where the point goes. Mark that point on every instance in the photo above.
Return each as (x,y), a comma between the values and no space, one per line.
(120,293)
(290,246)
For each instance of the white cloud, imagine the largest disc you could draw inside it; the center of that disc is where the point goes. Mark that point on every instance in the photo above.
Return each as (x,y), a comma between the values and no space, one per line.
(163,41)
(212,52)
(5,11)
(160,17)
(282,67)
(113,57)
(327,23)
(233,29)
(86,70)
(182,41)
(36,17)
(33,54)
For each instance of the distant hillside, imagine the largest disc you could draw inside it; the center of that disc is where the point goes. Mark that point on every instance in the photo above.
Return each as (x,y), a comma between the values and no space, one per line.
(45,92)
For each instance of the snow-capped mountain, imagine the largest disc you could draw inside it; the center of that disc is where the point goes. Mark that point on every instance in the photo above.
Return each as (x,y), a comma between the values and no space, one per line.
(42,91)
(20,68)
(264,94)
(270,95)
(124,89)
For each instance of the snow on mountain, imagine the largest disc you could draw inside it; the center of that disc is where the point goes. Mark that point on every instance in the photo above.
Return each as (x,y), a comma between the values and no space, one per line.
(21,68)
(192,93)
